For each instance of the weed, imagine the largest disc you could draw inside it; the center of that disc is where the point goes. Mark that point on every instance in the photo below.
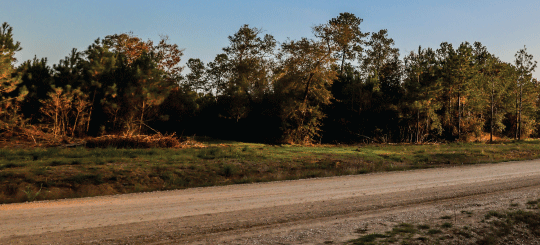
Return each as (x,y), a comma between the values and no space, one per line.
(404,228)
(446,225)
(531,219)
(362,230)
(495,214)
(5,175)
(464,234)
(228,170)
(30,194)
(12,165)
(446,217)
(95,179)
(99,161)
(170,179)
(58,163)
(434,231)
(39,170)
(423,227)
(368,239)
(75,162)
(422,238)
(210,153)
(532,202)
(244,180)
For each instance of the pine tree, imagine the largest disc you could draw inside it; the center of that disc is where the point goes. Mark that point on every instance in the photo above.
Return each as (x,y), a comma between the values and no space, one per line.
(10,96)
(196,79)
(344,31)
(525,87)
(250,60)
(422,89)
(302,83)
(494,80)
(456,74)
(37,77)
(382,70)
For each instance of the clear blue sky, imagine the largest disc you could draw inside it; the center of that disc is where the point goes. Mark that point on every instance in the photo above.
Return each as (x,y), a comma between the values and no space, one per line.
(52,28)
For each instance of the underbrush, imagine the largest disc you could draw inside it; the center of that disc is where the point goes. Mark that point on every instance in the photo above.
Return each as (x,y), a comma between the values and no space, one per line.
(135,141)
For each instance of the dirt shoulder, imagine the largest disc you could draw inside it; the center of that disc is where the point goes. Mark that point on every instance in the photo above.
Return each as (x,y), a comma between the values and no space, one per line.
(288,209)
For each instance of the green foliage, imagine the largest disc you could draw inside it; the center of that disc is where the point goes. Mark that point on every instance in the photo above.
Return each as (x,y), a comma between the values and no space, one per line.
(250,65)
(344,32)
(303,79)
(10,94)
(342,86)
(422,88)
(526,93)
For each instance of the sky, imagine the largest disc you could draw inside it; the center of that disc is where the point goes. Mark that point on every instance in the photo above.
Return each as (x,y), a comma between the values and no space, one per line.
(49,28)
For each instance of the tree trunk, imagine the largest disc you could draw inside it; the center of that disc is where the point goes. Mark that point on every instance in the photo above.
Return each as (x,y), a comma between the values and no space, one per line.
(91,110)
(459,115)
(520,108)
(417,126)
(517,116)
(492,105)
(418,115)
(306,91)
(142,117)
(342,63)
(56,127)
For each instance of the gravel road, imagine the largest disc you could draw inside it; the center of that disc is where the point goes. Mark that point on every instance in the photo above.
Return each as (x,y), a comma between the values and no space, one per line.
(311,211)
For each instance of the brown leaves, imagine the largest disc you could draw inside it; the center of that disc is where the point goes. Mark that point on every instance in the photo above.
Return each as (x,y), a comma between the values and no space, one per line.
(141,141)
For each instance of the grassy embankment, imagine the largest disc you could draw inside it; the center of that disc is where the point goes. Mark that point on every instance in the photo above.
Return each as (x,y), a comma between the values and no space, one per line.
(53,173)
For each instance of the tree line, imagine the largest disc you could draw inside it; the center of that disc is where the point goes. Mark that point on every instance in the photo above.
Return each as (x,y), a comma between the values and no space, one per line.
(342,85)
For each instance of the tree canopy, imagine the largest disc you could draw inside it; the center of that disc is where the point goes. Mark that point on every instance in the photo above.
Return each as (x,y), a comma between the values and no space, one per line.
(342,85)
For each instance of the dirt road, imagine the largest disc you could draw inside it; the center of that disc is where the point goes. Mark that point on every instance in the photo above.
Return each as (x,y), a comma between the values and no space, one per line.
(240,213)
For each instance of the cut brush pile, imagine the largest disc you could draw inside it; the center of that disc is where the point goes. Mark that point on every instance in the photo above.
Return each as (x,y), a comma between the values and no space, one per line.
(141,141)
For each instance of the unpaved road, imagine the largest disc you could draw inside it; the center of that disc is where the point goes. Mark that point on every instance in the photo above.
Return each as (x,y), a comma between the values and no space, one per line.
(241,213)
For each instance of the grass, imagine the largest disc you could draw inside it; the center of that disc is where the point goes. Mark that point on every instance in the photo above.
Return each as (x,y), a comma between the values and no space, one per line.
(499,227)
(447,225)
(368,239)
(423,227)
(495,214)
(80,172)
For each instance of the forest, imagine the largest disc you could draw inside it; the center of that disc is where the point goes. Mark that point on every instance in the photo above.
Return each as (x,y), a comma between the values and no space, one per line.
(341,86)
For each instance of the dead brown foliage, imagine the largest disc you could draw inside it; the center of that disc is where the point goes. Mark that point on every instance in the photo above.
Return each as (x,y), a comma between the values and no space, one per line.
(141,141)
(31,136)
